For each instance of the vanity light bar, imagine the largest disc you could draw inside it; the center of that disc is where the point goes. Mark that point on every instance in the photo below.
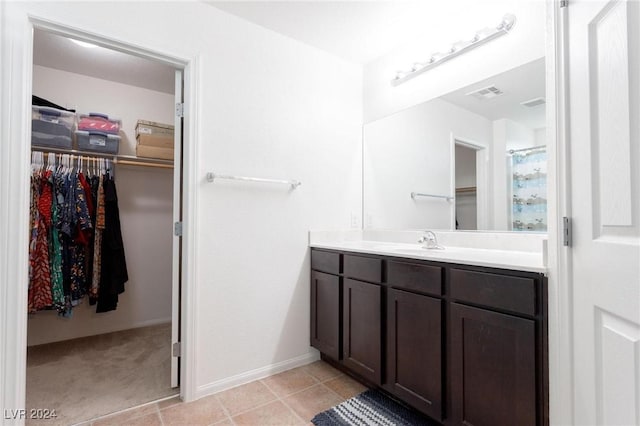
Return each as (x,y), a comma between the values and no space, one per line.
(458,48)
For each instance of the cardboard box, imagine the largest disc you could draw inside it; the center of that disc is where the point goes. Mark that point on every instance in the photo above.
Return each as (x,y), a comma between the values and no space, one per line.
(149,151)
(144,127)
(159,141)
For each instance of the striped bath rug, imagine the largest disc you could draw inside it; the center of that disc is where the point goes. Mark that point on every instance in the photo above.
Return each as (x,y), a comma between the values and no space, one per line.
(370,408)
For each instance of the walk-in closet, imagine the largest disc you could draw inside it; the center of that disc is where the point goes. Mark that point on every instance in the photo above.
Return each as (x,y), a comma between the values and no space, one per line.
(102,287)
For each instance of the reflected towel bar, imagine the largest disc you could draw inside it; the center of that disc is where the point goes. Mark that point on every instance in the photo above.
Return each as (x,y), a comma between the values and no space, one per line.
(293,183)
(420,194)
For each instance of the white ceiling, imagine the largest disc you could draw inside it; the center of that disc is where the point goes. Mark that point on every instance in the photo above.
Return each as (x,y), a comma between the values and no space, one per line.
(361,31)
(519,84)
(61,53)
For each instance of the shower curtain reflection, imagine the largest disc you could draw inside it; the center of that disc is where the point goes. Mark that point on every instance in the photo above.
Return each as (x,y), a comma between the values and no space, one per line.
(529,189)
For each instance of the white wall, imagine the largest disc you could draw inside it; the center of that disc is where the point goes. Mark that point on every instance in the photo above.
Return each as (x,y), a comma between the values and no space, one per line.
(523,44)
(410,151)
(540,136)
(145,202)
(265,106)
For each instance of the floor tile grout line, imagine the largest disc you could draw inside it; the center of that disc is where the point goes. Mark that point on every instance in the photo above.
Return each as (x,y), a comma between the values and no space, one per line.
(159,414)
(295,413)
(317,382)
(335,393)
(282,400)
(224,408)
(252,408)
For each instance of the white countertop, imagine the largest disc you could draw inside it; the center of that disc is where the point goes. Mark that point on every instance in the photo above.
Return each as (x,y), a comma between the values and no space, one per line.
(493,257)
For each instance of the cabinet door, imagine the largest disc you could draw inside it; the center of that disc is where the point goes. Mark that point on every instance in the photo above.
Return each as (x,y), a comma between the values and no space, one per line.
(325,313)
(493,370)
(362,329)
(414,350)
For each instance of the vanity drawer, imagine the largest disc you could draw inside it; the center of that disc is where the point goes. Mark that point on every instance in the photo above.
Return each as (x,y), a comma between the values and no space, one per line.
(325,261)
(363,268)
(505,292)
(411,276)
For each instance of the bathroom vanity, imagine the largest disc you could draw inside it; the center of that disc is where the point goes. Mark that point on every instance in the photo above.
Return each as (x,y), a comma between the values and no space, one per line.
(463,341)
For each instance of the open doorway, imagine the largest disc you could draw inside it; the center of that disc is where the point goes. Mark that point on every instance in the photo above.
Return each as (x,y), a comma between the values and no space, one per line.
(466,188)
(122,356)
(469,172)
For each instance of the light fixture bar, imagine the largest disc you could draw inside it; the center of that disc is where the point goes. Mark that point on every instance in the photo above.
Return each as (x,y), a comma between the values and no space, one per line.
(481,37)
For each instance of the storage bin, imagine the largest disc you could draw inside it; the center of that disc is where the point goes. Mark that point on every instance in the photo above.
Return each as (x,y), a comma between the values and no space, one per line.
(96,122)
(97,141)
(51,127)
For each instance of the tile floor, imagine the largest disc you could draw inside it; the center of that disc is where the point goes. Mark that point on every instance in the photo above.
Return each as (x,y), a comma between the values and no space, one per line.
(289,398)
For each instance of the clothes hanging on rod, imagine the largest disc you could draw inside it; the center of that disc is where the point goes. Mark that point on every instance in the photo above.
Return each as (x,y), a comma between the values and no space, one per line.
(75,245)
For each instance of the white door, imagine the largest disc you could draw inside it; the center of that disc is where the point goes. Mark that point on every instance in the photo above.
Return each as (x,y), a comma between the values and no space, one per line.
(604,117)
(177,218)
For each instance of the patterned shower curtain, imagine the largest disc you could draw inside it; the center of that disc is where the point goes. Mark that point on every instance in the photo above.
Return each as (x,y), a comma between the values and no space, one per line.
(529,190)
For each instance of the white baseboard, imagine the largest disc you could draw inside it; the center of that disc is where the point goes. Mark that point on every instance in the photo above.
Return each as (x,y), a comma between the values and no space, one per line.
(258,373)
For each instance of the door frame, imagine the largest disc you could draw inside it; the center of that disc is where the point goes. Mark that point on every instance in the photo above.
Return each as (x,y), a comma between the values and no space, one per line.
(15,112)
(560,287)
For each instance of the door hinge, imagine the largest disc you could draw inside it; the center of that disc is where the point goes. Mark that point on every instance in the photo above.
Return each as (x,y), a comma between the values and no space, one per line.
(175,349)
(564,3)
(179,110)
(566,232)
(177,229)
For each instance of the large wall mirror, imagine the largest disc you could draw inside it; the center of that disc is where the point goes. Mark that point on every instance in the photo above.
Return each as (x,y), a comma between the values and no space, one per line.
(473,159)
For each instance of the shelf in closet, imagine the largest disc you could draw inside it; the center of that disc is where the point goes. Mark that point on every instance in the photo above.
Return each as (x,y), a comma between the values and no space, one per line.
(125,160)
(466,189)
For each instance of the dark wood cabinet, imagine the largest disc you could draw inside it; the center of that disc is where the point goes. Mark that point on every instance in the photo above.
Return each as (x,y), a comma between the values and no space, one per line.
(465,345)
(414,350)
(326,296)
(493,368)
(362,332)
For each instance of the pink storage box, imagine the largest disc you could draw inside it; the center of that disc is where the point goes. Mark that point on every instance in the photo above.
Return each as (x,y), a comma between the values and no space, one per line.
(95,122)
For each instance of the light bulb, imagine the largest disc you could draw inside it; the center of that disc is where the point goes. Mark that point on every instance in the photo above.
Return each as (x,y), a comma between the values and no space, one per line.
(508,21)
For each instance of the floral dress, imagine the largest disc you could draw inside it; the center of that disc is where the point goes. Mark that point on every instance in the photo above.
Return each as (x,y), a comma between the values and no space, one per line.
(40,296)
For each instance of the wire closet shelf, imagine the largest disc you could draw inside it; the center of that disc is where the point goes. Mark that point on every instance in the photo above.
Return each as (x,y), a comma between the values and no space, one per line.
(125,160)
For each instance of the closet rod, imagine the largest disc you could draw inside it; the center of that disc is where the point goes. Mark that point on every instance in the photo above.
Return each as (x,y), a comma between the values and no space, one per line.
(420,194)
(129,160)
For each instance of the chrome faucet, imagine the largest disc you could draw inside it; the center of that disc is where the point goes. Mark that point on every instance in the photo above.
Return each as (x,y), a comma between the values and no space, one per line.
(430,241)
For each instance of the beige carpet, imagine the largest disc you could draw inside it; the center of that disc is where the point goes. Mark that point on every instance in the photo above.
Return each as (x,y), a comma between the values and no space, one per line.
(92,376)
